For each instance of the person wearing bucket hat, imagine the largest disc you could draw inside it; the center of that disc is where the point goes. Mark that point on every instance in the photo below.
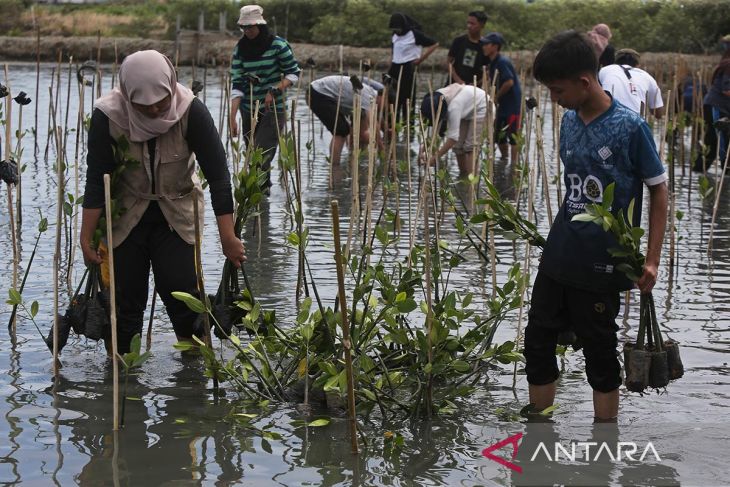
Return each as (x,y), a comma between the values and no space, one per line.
(163,125)
(508,97)
(630,85)
(718,98)
(458,112)
(262,68)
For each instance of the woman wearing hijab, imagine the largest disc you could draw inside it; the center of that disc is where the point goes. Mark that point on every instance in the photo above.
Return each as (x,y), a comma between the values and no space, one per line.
(164,125)
(718,98)
(408,44)
(262,68)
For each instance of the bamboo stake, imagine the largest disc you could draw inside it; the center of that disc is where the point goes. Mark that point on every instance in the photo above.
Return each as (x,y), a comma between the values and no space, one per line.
(717,198)
(355,213)
(346,343)
(556,149)
(37,85)
(75,218)
(201,283)
(18,154)
(13,231)
(112,297)
(57,259)
(410,170)
(370,188)
(337,116)
(429,302)
(543,166)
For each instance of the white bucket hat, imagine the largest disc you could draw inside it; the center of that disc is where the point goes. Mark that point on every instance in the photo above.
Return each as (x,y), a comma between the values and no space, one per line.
(251,15)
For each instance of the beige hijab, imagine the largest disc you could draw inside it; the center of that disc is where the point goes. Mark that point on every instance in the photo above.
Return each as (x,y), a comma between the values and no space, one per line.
(145,77)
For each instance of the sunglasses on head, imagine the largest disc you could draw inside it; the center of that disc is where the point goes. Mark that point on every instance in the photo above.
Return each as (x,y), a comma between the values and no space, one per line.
(244,28)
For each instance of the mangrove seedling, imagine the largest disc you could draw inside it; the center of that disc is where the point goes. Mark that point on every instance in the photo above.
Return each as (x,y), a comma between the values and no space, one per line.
(130,361)
(42,227)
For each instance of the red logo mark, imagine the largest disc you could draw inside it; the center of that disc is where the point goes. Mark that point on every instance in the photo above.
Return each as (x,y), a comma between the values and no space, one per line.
(514,441)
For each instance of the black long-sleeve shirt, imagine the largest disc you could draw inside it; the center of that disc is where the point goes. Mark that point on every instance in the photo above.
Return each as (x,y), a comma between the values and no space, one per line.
(202,138)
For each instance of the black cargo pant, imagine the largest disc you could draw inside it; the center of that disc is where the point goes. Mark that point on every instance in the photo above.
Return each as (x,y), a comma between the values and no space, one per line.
(153,242)
(265,134)
(555,307)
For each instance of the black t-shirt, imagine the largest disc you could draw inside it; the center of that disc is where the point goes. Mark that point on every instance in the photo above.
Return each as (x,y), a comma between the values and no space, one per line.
(468,59)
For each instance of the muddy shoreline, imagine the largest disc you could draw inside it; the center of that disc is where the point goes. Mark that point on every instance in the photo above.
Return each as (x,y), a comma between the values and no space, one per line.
(215,50)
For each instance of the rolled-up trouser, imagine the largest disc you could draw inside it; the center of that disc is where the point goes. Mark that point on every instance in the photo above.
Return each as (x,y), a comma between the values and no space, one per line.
(265,135)
(470,137)
(153,242)
(556,307)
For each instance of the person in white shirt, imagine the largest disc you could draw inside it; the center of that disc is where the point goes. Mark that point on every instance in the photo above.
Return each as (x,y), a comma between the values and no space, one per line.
(323,100)
(630,85)
(460,120)
(408,52)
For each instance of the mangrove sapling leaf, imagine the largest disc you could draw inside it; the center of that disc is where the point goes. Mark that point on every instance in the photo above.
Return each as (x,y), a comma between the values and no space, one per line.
(132,360)
(193,303)
(318,423)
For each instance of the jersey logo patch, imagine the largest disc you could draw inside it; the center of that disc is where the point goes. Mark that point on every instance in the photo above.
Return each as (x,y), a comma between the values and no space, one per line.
(603,268)
(605,152)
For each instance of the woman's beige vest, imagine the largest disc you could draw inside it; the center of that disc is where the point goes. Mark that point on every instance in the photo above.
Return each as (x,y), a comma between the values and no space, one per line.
(176,183)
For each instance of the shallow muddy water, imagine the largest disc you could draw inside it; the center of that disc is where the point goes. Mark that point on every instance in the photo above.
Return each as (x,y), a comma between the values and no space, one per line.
(177,432)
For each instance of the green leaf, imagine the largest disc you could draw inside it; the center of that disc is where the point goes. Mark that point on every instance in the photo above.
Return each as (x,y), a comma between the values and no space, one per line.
(549,410)
(369,394)
(184,346)
(585,217)
(460,366)
(34,309)
(331,383)
(135,345)
(307,331)
(319,422)
(245,415)
(607,200)
(407,306)
(190,301)
(14,297)
(630,211)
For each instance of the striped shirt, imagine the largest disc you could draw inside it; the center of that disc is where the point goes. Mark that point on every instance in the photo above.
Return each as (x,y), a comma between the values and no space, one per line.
(274,64)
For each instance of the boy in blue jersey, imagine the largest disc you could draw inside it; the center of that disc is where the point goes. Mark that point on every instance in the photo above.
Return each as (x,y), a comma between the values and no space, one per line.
(577,286)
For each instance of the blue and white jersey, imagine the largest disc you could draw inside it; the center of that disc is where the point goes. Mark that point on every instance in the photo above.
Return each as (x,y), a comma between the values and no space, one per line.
(616,147)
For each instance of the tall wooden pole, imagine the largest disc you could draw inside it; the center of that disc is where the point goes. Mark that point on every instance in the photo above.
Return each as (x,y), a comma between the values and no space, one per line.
(112,296)
(346,343)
